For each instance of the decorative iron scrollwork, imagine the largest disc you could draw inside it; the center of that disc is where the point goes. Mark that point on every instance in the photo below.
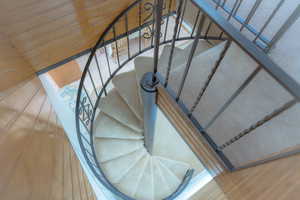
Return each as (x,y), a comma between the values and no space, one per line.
(149,8)
(85,111)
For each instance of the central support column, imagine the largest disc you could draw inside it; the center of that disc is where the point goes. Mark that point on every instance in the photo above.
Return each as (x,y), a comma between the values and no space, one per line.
(148,94)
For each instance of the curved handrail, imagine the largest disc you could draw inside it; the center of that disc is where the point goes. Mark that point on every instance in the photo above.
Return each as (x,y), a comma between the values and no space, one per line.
(94,163)
(103,179)
(84,101)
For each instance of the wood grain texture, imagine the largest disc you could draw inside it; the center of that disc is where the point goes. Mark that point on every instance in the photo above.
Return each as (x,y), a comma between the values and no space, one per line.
(36,159)
(188,132)
(14,68)
(276,180)
(66,74)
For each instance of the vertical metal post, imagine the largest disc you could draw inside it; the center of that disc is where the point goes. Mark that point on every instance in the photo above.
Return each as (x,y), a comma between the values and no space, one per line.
(285,27)
(269,20)
(191,55)
(148,94)
(158,18)
(251,14)
(173,41)
(210,76)
(149,83)
(140,24)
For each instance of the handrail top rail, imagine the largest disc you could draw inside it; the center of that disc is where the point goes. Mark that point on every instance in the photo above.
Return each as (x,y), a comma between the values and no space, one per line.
(251,49)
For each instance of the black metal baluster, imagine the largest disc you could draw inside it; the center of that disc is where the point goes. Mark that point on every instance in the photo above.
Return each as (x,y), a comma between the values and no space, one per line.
(82,122)
(100,75)
(224,3)
(140,24)
(251,14)
(235,94)
(261,122)
(210,76)
(218,4)
(287,24)
(153,26)
(91,160)
(221,35)
(237,7)
(127,35)
(182,17)
(195,24)
(167,21)
(269,20)
(158,18)
(92,81)
(178,12)
(107,60)
(211,23)
(85,139)
(88,96)
(116,43)
(86,112)
(208,29)
(191,55)
(236,3)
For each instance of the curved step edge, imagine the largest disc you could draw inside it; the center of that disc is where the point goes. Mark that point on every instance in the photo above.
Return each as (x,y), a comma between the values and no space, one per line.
(114,106)
(128,89)
(129,183)
(109,149)
(145,188)
(107,127)
(116,169)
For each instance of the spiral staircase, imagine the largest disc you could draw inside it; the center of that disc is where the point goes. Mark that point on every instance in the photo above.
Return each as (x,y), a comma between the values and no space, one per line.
(116,113)
(119,143)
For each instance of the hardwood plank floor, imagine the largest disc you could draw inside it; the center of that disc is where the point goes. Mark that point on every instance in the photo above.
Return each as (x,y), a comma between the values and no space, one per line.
(36,159)
(276,180)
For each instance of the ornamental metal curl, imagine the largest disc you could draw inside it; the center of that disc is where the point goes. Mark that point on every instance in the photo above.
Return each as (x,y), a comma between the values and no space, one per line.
(85,111)
(149,7)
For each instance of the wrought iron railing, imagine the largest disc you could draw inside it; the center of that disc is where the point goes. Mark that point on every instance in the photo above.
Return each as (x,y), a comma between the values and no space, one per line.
(231,10)
(146,26)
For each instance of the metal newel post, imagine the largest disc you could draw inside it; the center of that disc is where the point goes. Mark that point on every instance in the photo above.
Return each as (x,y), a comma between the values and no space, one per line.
(149,83)
(157,34)
(148,94)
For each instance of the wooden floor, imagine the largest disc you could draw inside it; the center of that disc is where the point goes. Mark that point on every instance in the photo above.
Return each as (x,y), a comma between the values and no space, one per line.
(277,180)
(36,159)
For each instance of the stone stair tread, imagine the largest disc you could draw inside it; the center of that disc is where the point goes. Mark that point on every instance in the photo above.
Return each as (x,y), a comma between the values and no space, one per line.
(201,47)
(127,87)
(142,65)
(114,106)
(145,189)
(130,181)
(170,178)
(164,59)
(199,70)
(116,169)
(161,188)
(107,127)
(109,149)
(177,167)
